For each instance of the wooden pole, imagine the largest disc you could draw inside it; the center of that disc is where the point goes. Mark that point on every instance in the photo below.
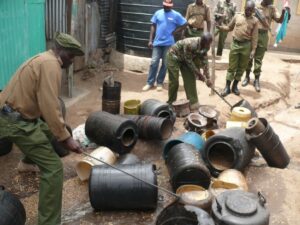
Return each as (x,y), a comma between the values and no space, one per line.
(213,61)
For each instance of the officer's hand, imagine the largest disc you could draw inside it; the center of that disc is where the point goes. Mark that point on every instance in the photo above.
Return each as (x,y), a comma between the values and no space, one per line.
(208,83)
(150,45)
(72,145)
(289,12)
(252,54)
(200,76)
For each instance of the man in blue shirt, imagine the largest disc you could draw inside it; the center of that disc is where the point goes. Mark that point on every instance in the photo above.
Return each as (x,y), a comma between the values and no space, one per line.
(165,23)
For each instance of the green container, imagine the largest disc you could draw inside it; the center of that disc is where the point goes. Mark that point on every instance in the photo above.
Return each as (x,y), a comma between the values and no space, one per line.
(132,107)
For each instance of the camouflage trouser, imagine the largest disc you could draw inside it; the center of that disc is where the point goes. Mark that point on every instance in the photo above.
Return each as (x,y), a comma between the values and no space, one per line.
(221,41)
(238,59)
(33,139)
(262,44)
(189,80)
(193,32)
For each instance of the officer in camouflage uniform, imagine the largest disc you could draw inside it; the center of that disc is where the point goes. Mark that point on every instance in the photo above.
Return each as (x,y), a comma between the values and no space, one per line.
(265,12)
(188,55)
(245,32)
(224,12)
(31,93)
(196,14)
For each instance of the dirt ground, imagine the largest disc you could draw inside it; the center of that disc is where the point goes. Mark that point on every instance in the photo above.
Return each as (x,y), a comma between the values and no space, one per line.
(280,92)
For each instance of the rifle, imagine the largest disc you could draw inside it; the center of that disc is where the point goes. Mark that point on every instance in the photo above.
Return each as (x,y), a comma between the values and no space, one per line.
(261,18)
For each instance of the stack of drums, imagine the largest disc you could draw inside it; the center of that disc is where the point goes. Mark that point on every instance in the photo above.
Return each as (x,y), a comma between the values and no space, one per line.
(111,98)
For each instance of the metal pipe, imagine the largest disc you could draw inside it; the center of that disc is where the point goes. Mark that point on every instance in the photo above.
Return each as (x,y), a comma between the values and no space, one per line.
(221,97)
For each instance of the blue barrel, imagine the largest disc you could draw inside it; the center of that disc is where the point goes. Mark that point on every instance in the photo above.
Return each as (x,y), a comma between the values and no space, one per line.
(190,137)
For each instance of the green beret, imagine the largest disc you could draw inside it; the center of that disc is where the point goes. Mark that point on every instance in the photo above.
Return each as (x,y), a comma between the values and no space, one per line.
(68,42)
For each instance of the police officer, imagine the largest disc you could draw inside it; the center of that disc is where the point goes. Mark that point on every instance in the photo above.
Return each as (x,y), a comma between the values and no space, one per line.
(245,32)
(33,93)
(196,14)
(224,12)
(265,12)
(188,55)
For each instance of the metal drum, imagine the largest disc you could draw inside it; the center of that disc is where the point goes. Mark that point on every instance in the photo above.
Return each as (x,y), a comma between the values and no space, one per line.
(110,189)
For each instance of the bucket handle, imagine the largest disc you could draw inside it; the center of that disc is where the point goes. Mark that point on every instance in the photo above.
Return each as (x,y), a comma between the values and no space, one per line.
(262,199)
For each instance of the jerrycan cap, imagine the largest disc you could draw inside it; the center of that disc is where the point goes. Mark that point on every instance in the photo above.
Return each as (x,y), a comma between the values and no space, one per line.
(241,204)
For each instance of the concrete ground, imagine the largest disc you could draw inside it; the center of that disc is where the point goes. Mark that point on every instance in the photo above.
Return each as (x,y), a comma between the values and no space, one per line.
(280,92)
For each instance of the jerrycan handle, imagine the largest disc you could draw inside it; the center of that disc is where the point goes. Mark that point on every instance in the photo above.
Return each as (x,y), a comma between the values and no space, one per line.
(219,206)
(262,199)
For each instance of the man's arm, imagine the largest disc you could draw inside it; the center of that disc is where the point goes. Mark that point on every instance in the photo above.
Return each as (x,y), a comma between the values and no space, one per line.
(151,36)
(180,29)
(254,40)
(279,18)
(230,26)
(188,59)
(208,20)
(187,14)
(47,97)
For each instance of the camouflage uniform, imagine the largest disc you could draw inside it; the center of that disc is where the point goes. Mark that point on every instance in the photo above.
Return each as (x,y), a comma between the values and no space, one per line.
(269,13)
(228,10)
(186,56)
(196,15)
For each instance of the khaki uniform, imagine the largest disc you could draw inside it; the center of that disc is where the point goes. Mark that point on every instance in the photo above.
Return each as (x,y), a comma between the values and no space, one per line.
(245,33)
(33,92)
(195,16)
(270,13)
(185,56)
(228,10)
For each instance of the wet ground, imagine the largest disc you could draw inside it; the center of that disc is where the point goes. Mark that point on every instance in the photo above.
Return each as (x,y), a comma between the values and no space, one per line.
(280,92)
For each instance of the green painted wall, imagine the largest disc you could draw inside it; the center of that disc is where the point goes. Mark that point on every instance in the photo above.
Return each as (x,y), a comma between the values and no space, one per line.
(22,34)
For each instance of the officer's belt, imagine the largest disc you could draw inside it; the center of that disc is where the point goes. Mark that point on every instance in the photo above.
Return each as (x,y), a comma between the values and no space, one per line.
(261,31)
(194,28)
(241,41)
(14,115)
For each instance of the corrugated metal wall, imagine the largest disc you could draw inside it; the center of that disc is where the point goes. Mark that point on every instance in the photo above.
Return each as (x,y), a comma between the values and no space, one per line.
(22,34)
(56,17)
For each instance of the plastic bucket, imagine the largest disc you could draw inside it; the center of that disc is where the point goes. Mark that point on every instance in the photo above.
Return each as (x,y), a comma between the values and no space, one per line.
(83,167)
(195,195)
(132,107)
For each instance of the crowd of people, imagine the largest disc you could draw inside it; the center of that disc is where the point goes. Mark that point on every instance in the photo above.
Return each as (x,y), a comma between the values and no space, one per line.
(249,29)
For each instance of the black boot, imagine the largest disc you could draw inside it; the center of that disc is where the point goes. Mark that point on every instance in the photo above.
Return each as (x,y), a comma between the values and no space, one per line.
(226,90)
(234,88)
(247,79)
(256,83)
